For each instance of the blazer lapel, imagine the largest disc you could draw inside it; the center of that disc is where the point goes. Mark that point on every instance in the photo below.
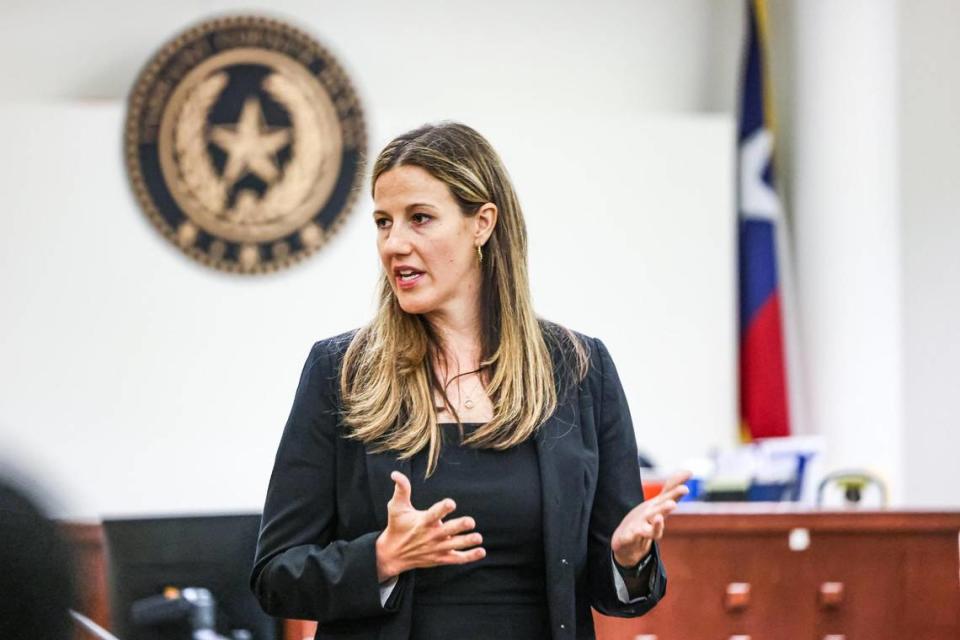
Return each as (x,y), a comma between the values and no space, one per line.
(561,478)
(379,468)
(559,449)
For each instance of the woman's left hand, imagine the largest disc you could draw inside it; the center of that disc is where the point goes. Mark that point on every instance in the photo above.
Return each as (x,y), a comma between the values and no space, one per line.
(633,538)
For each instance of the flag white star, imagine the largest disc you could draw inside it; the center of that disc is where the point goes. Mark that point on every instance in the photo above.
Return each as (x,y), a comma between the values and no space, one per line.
(757,199)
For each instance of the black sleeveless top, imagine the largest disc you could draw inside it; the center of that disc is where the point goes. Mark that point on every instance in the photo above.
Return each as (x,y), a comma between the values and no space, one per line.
(502,596)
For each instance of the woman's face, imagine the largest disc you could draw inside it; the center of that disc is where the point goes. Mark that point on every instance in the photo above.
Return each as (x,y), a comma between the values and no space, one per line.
(427,245)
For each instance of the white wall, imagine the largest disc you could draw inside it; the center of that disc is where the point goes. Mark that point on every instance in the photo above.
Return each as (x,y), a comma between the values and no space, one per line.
(930,200)
(846,230)
(431,56)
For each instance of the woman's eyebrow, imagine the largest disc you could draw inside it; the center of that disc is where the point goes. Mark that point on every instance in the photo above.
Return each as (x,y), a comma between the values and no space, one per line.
(409,207)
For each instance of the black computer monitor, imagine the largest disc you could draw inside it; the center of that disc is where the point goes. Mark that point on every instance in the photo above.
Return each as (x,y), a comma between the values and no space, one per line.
(145,556)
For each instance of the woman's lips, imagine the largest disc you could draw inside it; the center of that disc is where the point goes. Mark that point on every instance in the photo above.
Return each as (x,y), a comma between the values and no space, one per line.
(409,283)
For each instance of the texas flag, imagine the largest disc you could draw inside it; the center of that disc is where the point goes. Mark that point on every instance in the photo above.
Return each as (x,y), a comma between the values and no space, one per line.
(763,375)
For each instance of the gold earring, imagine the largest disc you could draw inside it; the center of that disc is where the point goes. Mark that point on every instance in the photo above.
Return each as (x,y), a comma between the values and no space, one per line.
(479,254)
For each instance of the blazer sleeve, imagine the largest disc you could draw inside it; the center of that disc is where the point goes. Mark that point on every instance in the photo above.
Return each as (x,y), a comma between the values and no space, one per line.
(618,491)
(301,570)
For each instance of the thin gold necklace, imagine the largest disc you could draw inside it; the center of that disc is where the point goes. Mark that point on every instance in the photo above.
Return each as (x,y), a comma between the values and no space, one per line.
(468,403)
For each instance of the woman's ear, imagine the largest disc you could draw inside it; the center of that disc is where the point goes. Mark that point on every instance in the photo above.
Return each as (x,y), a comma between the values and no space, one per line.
(485,221)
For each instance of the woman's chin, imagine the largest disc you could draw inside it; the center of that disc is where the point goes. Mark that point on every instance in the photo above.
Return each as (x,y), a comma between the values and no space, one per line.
(414,307)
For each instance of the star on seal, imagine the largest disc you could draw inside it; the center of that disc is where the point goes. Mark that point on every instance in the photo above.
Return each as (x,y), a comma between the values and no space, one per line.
(250,145)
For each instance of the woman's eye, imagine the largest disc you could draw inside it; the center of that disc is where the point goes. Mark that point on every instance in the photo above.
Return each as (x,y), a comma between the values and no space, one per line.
(381,222)
(420,218)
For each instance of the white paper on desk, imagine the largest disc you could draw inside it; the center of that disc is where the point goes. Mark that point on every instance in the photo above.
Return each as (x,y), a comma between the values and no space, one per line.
(735,468)
(791,449)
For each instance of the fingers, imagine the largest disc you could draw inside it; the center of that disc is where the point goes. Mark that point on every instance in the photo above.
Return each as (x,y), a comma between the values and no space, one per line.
(440,510)
(651,529)
(676,481)
(456,549)
(674,493)
(661,508)
(657,524)
(458,525)
(461,542)
(401,489)
(647,520)
(672,490)
(463,557)
(647,509)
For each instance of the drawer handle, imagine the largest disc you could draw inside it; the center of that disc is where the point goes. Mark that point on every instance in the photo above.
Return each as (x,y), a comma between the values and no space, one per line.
(737,598)
(740,637)
(834,636)
(646,636)
(831,597)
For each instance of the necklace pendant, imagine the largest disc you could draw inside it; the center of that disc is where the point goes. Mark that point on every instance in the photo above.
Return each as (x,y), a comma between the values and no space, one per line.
(468,404)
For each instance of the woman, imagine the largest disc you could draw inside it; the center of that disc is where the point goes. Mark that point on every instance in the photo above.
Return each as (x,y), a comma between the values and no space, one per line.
(458,468)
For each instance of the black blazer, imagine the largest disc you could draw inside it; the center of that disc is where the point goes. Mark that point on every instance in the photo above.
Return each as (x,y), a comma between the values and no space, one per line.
(327,500)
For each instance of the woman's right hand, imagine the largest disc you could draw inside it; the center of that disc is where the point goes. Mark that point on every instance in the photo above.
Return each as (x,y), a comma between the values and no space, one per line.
(415,539)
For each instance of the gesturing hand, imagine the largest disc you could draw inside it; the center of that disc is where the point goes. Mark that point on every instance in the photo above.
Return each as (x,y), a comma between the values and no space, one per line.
(416,539)
(634,537)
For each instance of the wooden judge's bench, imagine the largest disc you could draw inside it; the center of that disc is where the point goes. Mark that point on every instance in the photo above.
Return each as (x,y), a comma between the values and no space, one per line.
(759,572)
(779,572)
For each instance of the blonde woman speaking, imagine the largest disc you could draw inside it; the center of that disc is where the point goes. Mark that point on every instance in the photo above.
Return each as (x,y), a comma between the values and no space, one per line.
(458,467)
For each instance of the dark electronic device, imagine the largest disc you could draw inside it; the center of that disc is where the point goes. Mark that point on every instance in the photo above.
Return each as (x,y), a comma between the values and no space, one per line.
(185,578)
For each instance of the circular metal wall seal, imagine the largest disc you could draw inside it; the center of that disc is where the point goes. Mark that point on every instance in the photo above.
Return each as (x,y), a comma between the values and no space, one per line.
(244,143)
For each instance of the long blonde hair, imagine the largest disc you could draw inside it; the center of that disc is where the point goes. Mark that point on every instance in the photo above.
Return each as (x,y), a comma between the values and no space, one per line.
(388,380)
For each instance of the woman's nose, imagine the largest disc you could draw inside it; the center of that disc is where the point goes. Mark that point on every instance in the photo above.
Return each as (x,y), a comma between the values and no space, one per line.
(396,242)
